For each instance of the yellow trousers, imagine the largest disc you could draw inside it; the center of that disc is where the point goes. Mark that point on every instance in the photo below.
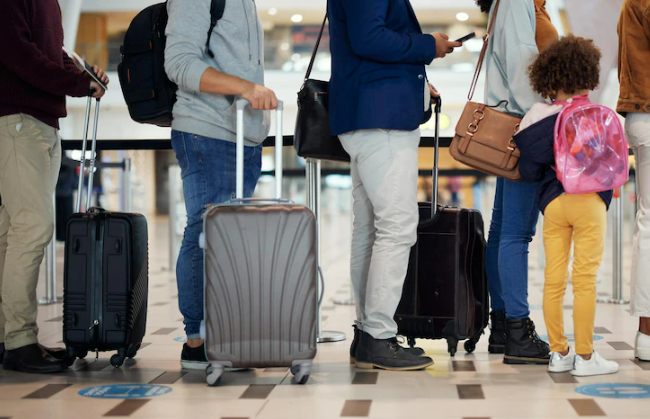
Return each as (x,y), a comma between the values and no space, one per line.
(581,219)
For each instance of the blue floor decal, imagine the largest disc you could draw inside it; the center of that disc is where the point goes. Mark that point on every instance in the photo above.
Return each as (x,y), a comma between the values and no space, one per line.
(571,338)
(616,390)
(125,391)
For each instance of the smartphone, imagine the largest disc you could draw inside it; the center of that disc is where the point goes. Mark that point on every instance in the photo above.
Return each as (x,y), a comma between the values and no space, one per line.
(466,37)
(85,67)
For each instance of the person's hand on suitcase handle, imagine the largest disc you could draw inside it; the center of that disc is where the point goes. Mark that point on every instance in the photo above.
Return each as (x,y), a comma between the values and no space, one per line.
(260,97)
(434,92)
(98,92)
(435,98)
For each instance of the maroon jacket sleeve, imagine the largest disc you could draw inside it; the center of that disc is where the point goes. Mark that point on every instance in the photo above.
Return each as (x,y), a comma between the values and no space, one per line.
(23,57)
(69,64)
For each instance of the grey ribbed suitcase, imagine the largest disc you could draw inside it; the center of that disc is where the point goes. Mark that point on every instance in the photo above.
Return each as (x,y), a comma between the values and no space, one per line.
(261,273)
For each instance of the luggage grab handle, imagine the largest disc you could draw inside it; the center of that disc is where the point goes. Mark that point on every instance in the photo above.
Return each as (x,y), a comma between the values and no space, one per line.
(239,192)
(260,201)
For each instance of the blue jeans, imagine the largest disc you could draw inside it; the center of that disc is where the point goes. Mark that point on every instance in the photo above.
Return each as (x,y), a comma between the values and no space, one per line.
(514,219)
(209,177)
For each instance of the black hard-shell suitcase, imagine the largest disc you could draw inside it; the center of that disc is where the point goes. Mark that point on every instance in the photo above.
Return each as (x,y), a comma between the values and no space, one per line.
(106,277)
(445,295)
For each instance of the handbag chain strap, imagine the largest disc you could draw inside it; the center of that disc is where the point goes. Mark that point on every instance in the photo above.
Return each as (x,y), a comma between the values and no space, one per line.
(481,58)
(313,55)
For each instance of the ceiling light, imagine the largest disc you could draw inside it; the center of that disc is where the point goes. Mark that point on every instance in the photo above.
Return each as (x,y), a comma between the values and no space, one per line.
(462,16)
(296,18)
(273,11)
(285,46)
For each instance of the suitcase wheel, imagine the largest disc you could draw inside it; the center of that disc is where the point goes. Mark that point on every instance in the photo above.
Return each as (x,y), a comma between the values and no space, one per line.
(411,342)
(301,373)
(72,354)
(213,375)
(133,351)
(452,346)
(117,360)
(470,344)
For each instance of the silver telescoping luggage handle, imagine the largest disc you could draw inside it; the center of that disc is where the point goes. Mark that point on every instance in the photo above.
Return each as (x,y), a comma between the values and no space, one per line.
(93,148)
(279,142)
(436,153)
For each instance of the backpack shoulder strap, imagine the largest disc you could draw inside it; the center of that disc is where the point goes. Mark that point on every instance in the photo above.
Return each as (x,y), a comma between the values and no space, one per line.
(217,7)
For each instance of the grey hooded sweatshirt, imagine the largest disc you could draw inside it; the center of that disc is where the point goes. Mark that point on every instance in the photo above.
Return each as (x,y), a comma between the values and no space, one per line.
(237,44)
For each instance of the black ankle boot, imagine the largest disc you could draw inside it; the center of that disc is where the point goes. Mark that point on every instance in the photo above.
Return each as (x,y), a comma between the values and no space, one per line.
(497,343)
(355,343)
(523,345)
(387,354)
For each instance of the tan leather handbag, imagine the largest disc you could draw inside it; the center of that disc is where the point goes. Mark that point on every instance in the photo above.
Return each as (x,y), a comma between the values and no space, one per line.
(484,137)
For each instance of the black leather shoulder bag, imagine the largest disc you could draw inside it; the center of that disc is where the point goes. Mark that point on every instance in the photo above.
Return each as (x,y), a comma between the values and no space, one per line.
(312,138)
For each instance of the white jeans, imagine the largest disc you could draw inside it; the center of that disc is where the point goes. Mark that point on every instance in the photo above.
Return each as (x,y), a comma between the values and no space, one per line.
(637,126)
(384,188)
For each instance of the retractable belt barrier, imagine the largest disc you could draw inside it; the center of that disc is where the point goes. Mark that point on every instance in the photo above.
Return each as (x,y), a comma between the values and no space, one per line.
(313,173)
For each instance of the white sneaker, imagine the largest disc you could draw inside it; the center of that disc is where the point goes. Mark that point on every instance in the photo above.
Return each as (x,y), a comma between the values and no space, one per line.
(642,347)
(597,365)
(559,363)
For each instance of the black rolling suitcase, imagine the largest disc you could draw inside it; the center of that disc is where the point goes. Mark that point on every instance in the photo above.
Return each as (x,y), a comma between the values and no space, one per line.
(106,276)
(445,294)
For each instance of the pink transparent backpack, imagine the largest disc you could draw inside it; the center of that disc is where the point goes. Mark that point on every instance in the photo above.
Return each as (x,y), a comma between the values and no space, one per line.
(591,152)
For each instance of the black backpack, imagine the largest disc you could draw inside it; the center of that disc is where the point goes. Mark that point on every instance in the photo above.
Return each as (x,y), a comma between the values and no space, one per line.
(148,92)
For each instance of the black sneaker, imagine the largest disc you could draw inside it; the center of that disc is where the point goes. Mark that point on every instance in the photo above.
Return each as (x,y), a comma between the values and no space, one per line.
(523,345)
(355,343)
(497,343)
(387,354)
(194,358)
(32,359)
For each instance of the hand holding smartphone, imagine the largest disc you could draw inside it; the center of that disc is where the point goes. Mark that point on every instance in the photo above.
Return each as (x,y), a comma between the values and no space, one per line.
(443,45)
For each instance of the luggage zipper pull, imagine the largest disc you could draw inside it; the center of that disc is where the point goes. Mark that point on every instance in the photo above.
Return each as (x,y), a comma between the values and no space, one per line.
(95,323)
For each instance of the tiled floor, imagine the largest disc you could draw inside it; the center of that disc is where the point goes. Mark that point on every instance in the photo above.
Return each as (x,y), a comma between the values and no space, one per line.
(469,386)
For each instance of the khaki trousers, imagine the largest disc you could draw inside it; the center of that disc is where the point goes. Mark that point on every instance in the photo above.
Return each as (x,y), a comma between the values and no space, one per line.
(30,159)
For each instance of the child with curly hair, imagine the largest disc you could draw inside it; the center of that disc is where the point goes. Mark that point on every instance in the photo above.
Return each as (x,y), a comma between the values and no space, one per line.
(566,71)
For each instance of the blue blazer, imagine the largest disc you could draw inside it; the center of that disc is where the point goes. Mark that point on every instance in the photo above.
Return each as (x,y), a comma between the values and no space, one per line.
(378,58)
